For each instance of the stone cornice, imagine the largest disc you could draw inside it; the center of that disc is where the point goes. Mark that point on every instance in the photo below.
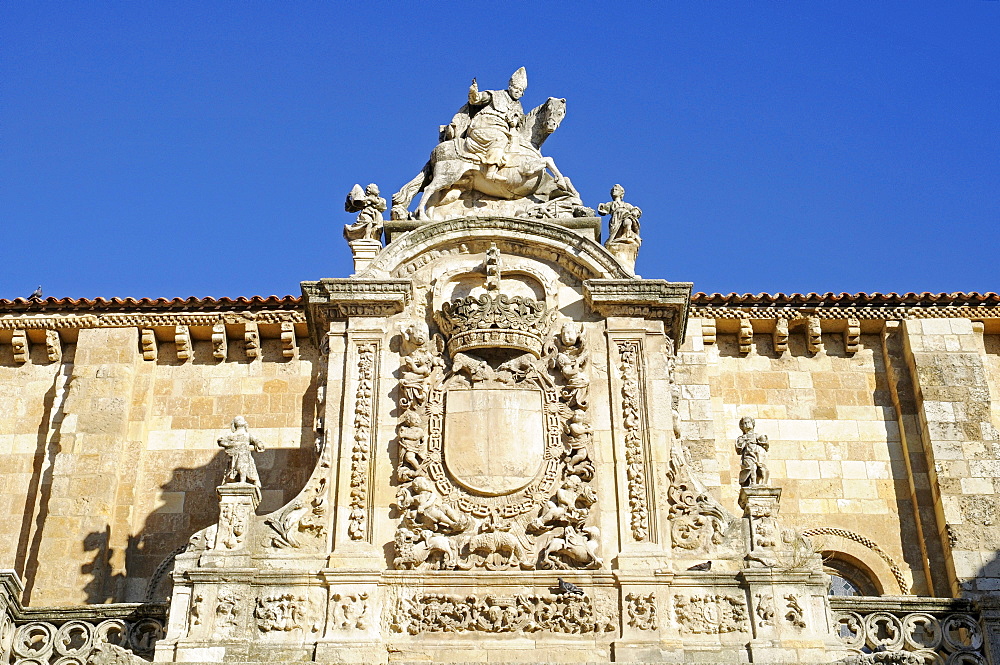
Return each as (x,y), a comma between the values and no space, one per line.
(331,299)
(645,298)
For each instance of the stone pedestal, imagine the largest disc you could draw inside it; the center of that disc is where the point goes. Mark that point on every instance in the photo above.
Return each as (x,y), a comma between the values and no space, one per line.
(364,250)
(237,504)
(760,513)
(625,252)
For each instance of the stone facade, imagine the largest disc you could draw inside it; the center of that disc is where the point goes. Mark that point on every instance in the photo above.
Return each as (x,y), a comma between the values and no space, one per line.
(495,443)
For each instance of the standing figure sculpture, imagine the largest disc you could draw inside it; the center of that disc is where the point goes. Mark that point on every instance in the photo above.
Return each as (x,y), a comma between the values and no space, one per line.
(752,448)
(369,206)
(237,445)
(623,227)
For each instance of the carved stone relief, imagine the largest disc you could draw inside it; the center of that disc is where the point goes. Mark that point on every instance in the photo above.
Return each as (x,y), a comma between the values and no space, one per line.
(494,439)
(640,611)
(442,613)
(633,426)
(364,414)
(349,611)
(696,519)
(711,613)
(280,612)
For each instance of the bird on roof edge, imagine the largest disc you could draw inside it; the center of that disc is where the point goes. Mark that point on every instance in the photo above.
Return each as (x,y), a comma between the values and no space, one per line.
(36,295)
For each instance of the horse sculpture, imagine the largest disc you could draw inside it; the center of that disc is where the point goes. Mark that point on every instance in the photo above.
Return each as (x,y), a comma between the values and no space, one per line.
(450,172)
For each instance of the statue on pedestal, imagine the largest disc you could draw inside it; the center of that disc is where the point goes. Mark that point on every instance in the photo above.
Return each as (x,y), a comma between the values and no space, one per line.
(369,206)
(623,227)
(237,445)
(752,448)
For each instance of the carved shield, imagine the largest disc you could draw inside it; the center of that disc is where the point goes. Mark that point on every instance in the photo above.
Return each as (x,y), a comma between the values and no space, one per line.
(494,439)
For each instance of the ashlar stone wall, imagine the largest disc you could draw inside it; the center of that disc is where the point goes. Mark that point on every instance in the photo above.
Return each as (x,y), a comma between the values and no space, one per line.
(110,460)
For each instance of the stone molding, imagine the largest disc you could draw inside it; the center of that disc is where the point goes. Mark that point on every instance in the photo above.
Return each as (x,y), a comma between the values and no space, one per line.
(646,298)
(330,299)
(512,235)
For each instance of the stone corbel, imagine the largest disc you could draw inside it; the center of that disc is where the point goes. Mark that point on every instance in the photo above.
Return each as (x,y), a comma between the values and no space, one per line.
(745,336)
(220,344)
(288,339)
(708,332)
(53,346)
(22,347)
(182,338)
(780,336)
(147,342)
(251,340)
(814,335)
(852,336)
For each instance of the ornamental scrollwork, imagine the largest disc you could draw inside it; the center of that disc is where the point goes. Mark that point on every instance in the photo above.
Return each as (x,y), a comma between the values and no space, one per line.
(711,613)
(640,611)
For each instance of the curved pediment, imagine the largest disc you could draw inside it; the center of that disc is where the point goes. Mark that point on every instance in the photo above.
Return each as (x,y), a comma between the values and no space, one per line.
(577,254)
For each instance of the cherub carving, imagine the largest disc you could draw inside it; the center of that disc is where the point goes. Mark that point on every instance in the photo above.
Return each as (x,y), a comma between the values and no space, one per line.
(421,508)
(411,443)
(579,435)
(570,504)
(369,206)
(570,358)
(417,364)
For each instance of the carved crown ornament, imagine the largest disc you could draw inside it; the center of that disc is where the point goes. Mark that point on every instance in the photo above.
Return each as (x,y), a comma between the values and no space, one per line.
(495,321)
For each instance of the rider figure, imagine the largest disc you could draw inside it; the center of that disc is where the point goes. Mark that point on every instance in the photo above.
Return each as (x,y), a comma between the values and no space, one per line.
(491,133)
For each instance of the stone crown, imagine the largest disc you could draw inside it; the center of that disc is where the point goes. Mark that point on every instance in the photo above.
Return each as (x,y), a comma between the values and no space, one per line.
(494,321)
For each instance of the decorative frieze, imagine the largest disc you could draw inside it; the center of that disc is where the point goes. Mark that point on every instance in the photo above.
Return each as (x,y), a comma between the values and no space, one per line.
(443,613)
(280,612)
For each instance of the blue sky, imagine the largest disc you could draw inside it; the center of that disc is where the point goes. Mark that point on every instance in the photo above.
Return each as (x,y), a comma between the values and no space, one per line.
(205,148)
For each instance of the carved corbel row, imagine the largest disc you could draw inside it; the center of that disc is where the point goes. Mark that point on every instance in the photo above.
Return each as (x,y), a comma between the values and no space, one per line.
(22,349)
(708,331)
(183,340)
(852,336)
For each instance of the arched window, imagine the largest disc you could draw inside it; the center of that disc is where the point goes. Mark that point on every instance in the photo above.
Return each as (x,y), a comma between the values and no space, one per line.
(847,576)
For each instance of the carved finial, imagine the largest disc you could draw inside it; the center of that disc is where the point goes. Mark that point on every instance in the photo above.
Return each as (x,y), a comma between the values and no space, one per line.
(623,227)
(752,448)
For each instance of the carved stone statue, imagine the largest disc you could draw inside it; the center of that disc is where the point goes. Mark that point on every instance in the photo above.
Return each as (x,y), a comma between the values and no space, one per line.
(237,445)
(489,157)
(623,227)
(369,206)
(752,448)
